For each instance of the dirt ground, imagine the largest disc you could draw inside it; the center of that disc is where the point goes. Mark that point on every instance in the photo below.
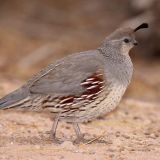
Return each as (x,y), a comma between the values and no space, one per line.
(132,132)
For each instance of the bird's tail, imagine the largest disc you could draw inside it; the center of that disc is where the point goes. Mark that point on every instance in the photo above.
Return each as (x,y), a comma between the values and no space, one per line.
(14,99)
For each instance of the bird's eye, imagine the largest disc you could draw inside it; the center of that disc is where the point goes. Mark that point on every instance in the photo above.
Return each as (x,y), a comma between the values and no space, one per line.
(126,40)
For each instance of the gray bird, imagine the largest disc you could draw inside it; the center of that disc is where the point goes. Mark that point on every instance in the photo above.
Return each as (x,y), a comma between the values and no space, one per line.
(81,86)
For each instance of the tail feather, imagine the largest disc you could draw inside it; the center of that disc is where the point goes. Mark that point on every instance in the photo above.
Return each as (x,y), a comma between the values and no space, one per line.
(9,100)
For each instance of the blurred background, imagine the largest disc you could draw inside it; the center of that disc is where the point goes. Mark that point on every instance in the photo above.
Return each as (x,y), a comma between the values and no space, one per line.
(38,32)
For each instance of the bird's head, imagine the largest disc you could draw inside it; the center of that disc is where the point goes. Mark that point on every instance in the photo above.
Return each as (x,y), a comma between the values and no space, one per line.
(123,39)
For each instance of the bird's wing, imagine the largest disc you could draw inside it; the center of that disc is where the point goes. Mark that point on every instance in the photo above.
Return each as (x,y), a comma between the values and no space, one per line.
(66,77)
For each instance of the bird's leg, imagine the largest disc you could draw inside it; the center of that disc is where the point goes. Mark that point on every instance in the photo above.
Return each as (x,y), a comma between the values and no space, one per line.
(80,136)
(53,130)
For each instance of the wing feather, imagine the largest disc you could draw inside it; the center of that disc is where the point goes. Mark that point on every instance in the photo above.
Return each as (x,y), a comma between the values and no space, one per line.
(64,77)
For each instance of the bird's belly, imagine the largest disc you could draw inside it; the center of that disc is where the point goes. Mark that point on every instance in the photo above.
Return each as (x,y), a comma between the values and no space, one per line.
(105,103)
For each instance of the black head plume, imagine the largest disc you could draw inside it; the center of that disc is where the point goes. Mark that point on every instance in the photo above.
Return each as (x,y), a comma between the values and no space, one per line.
(143,25)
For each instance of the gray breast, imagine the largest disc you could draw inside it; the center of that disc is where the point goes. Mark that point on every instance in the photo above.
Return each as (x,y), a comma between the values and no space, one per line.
(117,72)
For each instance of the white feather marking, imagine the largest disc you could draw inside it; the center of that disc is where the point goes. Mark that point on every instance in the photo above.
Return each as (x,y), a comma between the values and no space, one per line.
(101,87)
(98,92)
(96,82)
(68,104)
(66,99)
(89,96)
(62,105)
(84,83)
(92,87)
(79,98)
(84,95)
(90,79)
(99,75)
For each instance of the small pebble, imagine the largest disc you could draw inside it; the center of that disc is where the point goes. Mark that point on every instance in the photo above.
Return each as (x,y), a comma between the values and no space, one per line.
(37,146)
(11,143)
(68,145)
(125,136)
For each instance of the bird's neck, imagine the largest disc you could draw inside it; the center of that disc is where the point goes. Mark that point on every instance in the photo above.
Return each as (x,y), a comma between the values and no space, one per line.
(113,54)
(122,67)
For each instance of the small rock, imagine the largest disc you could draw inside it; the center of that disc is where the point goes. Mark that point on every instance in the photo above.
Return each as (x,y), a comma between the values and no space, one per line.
(146,133)
(12,143)
(153,136)
(126,136)
(37,146)
(68,145)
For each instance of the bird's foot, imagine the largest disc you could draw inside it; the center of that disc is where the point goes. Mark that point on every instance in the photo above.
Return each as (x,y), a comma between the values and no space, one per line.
(80,139)
(57,140)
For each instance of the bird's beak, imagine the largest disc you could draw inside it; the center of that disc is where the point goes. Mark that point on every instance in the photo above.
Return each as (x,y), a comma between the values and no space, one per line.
(135,43)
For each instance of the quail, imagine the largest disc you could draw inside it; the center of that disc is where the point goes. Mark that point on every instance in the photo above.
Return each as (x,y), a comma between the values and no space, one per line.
(81,86)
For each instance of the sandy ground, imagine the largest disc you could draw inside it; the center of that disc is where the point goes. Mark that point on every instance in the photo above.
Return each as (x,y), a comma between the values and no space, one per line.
(131,132)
